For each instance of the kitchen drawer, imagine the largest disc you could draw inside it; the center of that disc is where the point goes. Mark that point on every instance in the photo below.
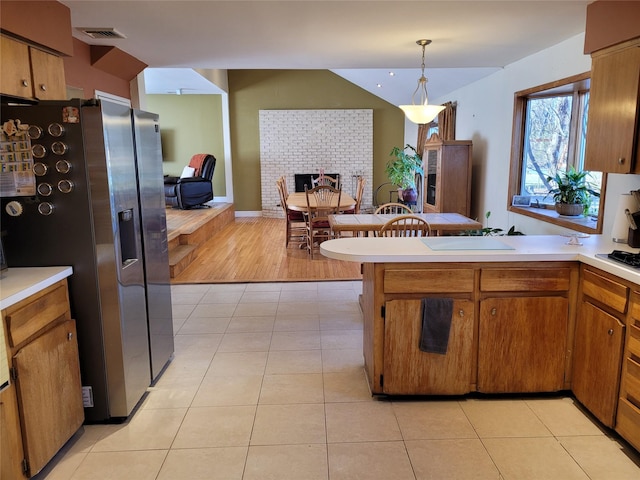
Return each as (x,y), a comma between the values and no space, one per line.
(632,379)
(633,341)
(448,280)
(628,422)
(31,315)
(525,279)
(605,290)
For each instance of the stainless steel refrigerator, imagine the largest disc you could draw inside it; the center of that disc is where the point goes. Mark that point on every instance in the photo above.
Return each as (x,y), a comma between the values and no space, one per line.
(99,207)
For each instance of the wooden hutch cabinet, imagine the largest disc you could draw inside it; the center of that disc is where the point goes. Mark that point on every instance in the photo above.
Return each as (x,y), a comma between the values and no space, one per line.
(447,176)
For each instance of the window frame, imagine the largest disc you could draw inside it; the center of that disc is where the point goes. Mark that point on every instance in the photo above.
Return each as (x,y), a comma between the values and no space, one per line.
(573,84)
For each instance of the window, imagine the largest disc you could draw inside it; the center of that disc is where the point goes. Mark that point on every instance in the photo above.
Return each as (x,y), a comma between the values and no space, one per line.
(549,132)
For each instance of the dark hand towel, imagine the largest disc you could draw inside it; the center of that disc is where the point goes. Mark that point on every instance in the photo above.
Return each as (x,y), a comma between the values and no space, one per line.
(436,324)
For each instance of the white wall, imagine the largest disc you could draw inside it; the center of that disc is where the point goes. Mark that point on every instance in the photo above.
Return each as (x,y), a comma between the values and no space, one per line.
(485,115)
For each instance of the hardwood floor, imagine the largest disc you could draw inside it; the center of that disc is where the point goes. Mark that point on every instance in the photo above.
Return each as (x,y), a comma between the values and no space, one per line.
(251,249)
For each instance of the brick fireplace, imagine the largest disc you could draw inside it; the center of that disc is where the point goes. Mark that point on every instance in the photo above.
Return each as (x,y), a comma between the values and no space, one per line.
(305,141)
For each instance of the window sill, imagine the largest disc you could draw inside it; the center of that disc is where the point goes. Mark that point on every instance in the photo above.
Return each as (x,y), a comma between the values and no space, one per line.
(578,224)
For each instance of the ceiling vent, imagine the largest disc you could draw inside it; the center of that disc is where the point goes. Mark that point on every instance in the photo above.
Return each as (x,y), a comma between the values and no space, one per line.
(99,33)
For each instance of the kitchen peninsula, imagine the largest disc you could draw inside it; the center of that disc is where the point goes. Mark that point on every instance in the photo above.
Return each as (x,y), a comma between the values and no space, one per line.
(530,314)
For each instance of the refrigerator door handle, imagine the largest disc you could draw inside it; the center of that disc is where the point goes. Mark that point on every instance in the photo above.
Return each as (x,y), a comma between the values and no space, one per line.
(127,231)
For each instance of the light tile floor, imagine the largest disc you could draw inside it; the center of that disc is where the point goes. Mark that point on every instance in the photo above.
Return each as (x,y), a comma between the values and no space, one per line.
(267,383)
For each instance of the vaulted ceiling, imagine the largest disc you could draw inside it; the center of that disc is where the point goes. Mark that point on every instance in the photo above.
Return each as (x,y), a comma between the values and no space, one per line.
(360,40)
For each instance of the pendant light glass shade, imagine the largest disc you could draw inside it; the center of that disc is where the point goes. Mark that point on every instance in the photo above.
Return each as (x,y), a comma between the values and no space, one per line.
(423,112)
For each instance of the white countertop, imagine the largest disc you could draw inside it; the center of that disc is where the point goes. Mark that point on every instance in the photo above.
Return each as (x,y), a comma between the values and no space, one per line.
(527,248)
(19,283)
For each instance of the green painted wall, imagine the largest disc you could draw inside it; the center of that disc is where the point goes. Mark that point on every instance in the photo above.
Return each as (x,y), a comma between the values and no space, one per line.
(190,124)
(254,90)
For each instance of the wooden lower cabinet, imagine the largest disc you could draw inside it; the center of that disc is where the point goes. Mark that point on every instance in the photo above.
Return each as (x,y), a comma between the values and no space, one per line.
(522,344)
(502,339)
(44,399)
(45,369)
(517,327)
(597,357)
(628,414)
(410,371)
(599,342)
(11,452)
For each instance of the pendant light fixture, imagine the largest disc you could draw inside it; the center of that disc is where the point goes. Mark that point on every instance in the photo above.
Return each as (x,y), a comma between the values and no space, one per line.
(423,112)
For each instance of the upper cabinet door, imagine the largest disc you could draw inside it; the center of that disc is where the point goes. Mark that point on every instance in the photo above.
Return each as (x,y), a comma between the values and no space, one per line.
(48,75)
(613,110)
(15,74)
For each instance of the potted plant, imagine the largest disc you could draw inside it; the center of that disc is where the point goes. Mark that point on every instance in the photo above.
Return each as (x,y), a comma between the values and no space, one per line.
(490,231)
(402,169)
(572,192)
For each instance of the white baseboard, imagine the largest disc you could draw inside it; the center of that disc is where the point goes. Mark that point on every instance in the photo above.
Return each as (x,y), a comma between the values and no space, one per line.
(249,213)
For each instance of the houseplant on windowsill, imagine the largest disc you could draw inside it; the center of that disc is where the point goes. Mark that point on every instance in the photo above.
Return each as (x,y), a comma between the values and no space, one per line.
(572,193)
(402,170)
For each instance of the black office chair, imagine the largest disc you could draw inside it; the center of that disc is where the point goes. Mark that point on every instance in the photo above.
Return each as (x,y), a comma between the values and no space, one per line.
(191,192)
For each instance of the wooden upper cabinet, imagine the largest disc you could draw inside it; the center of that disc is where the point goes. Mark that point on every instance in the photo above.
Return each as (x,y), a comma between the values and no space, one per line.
(47,73)
(15,75)
(28,72)
(612,129)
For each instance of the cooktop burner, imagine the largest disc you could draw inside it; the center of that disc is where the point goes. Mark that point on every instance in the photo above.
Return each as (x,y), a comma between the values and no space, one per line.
(628,258)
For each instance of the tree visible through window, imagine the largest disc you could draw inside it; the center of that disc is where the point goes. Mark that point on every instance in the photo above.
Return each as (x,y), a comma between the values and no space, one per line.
(550,125)
(550,144)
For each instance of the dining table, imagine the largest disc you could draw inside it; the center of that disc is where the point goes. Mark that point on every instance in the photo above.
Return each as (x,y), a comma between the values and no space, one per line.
(298,201)
(372,222)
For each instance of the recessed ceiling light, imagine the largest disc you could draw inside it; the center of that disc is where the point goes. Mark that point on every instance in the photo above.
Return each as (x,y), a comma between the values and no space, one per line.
(391,74)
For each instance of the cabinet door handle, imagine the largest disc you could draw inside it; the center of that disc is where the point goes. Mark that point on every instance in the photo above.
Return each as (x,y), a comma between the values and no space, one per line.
(69,335)
(610,331)
(461,313)
(25,83)
(43,87)
(494,311)
(621,161)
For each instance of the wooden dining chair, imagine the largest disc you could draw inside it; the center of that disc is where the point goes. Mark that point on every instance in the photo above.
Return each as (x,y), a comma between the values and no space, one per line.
(395,208)
(322,201)
(325,180)
(358,198)
(406,226)
(296,227)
